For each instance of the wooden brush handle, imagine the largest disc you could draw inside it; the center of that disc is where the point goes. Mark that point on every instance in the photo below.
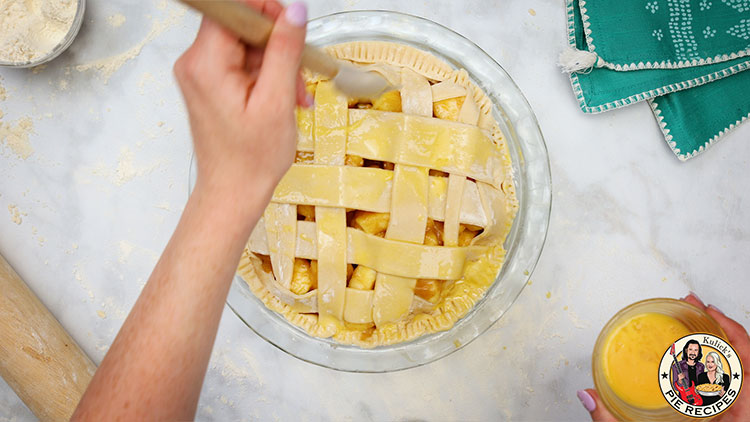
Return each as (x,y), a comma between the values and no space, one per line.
(255,29)
(38,359)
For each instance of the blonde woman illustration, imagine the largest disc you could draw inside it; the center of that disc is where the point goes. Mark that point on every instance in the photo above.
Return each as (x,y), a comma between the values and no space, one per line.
(714,374)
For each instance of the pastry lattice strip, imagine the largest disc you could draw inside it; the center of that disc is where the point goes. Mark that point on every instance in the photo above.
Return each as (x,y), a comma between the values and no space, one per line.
(383,255)
(393,295)
(450,147)
(331,121)
(369,189)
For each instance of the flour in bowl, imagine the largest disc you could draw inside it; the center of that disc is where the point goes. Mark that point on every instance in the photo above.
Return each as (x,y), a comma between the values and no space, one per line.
(31,29)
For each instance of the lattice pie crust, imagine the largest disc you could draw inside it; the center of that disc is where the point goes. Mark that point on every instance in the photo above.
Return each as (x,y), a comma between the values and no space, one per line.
(391,223)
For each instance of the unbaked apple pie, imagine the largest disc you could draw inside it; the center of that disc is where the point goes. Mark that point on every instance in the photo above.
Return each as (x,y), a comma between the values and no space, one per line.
(391,222)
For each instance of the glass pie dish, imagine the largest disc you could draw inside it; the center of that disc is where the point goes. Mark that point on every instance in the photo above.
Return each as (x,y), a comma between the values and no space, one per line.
(523,244)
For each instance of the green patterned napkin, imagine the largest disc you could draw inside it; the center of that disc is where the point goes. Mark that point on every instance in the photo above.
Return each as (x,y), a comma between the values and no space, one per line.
(696,132)
(629,51)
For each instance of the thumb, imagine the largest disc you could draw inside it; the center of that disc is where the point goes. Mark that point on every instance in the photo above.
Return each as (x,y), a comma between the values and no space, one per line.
(593,404)
(281,60)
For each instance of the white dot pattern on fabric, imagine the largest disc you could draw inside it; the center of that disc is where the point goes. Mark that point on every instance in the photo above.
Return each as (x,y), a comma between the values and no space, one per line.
(705,5)
(652,6)
(658,34)
(741,30)
(681,29)
(738,5)
(709,32)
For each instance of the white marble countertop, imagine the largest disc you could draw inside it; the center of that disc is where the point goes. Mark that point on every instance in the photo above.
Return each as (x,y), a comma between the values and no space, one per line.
(104,187)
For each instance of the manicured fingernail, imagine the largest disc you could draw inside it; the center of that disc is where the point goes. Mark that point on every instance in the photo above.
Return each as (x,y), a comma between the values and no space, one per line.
(309,100)
(296,14)
(586,400)
(692,293)
(716,309)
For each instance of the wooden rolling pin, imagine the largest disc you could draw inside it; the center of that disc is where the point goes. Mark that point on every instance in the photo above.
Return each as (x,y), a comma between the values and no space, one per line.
(38,358)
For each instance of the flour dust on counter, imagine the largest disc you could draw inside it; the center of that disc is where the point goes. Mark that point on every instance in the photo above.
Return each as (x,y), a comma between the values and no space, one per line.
(116,20)
(107,66)
(125,170)
(15,137)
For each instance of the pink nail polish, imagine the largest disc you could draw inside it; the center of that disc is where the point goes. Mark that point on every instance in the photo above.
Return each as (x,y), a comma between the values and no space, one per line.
(296,14)
(586,400)
(716,309)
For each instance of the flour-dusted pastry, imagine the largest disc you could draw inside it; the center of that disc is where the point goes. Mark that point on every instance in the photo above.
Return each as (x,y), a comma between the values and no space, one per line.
(391,223)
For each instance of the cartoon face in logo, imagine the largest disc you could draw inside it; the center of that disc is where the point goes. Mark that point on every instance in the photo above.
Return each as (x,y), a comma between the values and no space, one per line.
(693,350)
(711,360)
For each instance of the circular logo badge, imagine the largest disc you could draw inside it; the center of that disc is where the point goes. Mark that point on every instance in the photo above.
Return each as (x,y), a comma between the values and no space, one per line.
(700,375)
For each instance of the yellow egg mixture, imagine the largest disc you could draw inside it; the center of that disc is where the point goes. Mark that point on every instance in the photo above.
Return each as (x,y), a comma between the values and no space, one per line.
(632,354)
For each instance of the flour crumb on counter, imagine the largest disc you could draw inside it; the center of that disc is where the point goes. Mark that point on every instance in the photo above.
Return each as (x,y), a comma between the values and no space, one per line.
(164,205)
(145,79)
(15,214)
(110,305)
(16,137)
(532,12)
(73,249)
(101,314)
(224,400)
(576,321)
(126,249)
(116,20)
(126,170)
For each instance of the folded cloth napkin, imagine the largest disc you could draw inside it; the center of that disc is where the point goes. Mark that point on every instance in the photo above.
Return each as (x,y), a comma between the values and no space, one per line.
(689,53)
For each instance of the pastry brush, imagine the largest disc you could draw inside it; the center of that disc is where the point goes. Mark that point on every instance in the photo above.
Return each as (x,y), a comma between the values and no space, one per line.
(254,29)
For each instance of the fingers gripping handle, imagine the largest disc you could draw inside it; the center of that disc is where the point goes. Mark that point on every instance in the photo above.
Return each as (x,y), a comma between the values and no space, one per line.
(255,29)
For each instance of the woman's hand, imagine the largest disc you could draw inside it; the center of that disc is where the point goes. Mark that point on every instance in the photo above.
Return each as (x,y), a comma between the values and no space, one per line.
(241,103)
(737,336)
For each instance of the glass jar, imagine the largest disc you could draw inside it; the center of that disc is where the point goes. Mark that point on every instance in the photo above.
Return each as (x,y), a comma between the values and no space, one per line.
(694,319)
